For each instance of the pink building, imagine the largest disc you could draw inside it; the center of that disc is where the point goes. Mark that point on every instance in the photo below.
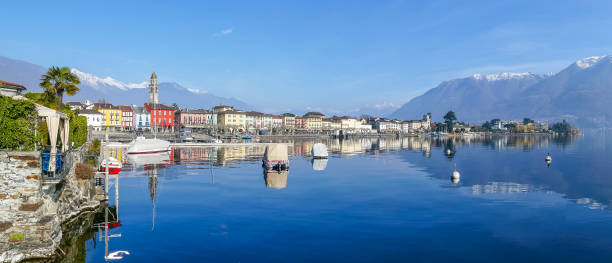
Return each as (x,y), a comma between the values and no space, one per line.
(127,118)
(192,118)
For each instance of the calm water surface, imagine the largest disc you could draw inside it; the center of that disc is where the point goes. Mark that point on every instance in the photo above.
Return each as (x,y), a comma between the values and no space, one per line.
(387,200)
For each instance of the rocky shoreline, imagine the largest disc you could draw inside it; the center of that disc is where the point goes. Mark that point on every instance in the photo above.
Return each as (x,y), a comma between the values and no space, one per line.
(32,210)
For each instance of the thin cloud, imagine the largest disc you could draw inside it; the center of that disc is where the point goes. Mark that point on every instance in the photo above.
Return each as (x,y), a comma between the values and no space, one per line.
(224,32)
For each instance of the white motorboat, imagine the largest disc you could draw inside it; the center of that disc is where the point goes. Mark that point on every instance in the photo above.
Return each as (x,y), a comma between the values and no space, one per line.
(142,145)
(319,151)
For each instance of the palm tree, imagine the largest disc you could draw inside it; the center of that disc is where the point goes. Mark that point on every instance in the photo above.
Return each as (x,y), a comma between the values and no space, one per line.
(59,80)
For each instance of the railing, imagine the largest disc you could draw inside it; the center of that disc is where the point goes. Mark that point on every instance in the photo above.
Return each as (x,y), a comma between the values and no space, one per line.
(67,163)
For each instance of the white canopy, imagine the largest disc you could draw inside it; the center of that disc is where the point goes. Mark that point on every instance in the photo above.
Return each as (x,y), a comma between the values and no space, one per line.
(56,121)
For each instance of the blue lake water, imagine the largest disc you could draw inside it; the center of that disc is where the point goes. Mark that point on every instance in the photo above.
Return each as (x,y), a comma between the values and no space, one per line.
(374,200)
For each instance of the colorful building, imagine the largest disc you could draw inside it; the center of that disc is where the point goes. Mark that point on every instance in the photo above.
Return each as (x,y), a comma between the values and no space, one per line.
(127,118)
(313,121)
(142,118)
(111,120)
(191,118)
(231,119)
(300,123)
(162,117)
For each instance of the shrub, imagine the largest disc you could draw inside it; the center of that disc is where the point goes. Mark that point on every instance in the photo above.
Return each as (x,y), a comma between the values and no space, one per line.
(94,147)
(78,130)
(17,118)
(84,171)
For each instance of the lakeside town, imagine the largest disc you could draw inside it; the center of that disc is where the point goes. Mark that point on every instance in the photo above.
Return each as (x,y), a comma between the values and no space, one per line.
(55,168)
(226,119)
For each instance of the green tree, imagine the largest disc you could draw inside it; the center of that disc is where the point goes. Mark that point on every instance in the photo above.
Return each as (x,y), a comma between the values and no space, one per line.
(59,80)
(562,127)
(487,125)
(449,118)
(527,121)
(17,118)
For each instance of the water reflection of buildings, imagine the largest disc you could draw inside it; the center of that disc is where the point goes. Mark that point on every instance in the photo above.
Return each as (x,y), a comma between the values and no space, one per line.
(502,188)
(218,156)
(364,145)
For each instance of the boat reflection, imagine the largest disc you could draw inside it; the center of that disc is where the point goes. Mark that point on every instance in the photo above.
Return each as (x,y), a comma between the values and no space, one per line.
(275,179)
(319,164)
(138,160)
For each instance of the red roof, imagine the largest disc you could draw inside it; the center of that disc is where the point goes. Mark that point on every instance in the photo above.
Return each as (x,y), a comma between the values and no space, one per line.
(11,84)
(125,108)
(158,106)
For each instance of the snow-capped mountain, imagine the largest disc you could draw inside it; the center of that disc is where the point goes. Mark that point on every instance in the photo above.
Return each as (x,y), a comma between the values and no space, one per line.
(580,93)
(100,83)
(114,91)
(473,98)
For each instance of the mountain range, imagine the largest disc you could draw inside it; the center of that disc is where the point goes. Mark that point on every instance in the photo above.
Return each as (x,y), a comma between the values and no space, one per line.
(580,93)
(114,91)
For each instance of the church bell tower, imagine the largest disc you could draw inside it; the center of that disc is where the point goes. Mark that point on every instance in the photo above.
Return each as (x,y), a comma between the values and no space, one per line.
(153,90)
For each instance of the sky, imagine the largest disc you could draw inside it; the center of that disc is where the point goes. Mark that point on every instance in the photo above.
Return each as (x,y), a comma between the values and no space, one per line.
(320,55)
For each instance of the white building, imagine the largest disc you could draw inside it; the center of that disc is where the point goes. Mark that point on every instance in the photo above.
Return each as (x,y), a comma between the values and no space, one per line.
(10,89)
(94,118)
(142,119)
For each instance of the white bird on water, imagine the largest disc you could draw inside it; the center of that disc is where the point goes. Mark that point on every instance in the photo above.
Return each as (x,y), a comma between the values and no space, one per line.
(456,175)
(548,158)
(116,255)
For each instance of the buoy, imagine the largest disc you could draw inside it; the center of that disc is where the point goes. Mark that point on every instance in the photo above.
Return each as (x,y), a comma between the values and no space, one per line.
(456,175)
(548,158)
(455,180)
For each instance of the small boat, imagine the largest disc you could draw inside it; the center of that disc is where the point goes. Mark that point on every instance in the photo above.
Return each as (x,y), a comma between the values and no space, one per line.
(276,157)
(112,164)
(548,158)
(246,137)
(142,145)
(319,151)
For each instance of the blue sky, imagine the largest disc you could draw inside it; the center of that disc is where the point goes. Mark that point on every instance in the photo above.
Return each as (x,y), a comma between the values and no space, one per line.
(326,55)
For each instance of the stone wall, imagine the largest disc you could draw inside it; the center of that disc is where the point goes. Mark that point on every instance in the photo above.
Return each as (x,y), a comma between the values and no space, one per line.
(32,211)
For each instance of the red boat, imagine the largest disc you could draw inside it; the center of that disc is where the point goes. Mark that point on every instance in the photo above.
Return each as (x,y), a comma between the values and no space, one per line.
(113,165)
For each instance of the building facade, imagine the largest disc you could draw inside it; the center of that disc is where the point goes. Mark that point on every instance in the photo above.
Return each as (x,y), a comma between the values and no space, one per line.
(112,116)
(313,121)
(189,118)
(162,117)
(231,120)
(127,118)
(142,119)
(94,119)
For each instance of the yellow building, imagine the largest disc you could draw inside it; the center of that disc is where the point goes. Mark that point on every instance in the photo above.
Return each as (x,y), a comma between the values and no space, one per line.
(313,121)
(231,119)
(111,119)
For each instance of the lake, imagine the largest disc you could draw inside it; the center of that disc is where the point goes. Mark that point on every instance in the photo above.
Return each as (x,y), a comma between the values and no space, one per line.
(373,200)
